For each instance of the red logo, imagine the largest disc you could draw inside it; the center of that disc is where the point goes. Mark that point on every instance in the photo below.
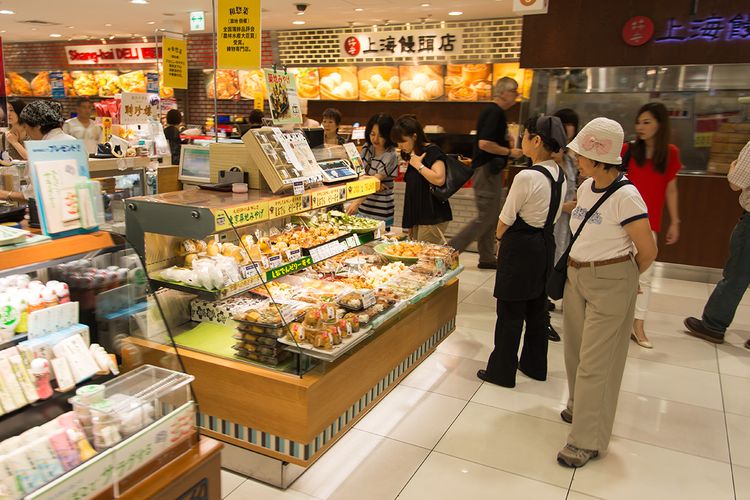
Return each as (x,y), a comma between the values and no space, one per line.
(352,46)
(638,30)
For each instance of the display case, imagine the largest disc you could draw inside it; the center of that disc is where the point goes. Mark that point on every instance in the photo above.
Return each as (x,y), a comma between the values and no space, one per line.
(81,415)
(287,354)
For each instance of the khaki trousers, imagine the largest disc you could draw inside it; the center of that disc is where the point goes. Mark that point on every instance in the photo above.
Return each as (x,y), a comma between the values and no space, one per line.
(598,308)
(430,234)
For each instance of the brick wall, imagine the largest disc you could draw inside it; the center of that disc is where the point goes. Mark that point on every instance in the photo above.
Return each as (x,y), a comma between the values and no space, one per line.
(483,40)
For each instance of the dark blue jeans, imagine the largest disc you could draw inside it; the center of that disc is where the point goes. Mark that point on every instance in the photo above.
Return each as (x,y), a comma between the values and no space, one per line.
(722,304)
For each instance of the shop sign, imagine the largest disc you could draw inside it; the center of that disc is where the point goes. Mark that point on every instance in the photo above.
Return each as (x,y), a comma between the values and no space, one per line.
(713,28)
(239,34)
(638,30)
(526,7)
(126,53)
(175,66)
(329,196)
(282,97)
(418,43)
(289,268)
(136,108)
(241,216)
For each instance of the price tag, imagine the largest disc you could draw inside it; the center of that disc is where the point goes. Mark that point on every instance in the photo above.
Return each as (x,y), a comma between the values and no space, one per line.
(250,270)
(350,241)
(264,262)
(293,255)
(328,197)
(289,205)
(299,188)
(275,261)
(316,255)
(368,299)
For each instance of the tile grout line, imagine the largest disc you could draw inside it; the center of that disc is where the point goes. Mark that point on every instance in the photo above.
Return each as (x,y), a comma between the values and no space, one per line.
(570,485)
(244,480)
(726,422)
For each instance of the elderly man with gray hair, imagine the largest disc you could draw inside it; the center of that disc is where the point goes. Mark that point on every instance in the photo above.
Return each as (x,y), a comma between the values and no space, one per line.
(491,152)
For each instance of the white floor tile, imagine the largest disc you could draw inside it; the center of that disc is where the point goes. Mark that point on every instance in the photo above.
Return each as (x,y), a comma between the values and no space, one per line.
(574,495)
(742,482)
(464,290)
(476,317)
(530,397)
(512,442)
(413,416)
(673,383)
(739,439)
(482,296)
(633,470)
(229,482)
(734,360)
(449,478)
(362,466)
(736,336)
(736,392)
(469,343)
(672,425)
(448,375)
(254,489)
(680,351)
(473,276)
(672,304)
(680,288)
(668,324)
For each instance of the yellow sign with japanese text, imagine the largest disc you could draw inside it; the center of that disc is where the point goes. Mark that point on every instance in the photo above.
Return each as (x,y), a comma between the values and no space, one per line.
(175,65)
(362,187)
(289,205)
(239,34)
(240,216)
(327,197)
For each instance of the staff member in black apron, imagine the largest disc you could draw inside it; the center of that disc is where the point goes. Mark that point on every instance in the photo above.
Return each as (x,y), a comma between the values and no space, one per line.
(527,249)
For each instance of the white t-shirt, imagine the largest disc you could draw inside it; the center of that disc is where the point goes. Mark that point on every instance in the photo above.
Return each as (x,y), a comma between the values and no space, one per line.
(604,236)
(89,135)
(530,195)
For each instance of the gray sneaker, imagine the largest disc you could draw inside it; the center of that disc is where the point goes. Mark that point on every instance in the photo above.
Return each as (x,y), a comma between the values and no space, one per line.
(567,416)
(572,456)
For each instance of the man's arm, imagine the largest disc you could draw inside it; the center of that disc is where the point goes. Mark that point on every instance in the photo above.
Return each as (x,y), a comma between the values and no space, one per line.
(497,149)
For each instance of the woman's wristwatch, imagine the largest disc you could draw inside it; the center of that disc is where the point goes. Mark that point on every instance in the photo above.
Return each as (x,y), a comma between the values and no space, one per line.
(420,168)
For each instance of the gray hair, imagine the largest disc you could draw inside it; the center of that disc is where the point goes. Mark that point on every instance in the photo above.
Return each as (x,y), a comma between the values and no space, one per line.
(503,84)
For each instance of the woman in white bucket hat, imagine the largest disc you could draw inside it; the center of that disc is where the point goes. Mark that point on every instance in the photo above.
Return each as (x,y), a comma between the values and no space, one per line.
(614,246)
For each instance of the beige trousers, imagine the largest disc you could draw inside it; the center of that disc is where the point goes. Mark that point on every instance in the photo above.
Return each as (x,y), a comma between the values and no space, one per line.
(598,308)
(430,234)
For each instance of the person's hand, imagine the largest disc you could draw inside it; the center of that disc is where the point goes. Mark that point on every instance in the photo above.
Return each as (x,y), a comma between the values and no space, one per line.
(498,233)
(516,153)
(416,160)
(352,208)
(569,206)
(12,137)
(673,233)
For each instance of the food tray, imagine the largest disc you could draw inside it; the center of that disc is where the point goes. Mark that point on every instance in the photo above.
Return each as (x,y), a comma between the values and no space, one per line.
(324,354)
(380,249)
(260,331)
(254,338)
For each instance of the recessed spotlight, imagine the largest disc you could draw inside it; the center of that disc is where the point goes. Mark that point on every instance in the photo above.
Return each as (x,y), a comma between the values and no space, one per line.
(145,40)
(151,22)
(298,22)
(55,35)
(7,12)
(162,29)
(358,9)
(111,37)
(139,2)
(71,27)
(2,31)
(455,13)
(108,25)
(424,5)
(33,29)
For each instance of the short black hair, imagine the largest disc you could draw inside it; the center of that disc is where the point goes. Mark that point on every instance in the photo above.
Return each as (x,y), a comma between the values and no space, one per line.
(174,117)
(256,117)
(333,114)
(568,117)
(385,125)
(549,143)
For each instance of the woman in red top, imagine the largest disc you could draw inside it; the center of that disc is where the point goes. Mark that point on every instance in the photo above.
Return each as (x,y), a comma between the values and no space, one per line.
(652,166)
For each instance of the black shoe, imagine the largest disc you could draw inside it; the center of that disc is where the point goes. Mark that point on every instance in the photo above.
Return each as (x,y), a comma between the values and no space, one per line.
(487,265)
(551,306)
(747,344)
(482,375)
(697,328)
(532,376)
(552,334)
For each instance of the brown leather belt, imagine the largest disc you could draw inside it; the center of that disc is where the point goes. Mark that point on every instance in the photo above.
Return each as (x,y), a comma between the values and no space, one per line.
(578,265)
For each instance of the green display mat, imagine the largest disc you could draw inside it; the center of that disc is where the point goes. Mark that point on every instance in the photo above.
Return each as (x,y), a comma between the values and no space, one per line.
(210,338)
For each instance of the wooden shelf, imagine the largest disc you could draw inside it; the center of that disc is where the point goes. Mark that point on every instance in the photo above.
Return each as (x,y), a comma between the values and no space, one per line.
(55,249)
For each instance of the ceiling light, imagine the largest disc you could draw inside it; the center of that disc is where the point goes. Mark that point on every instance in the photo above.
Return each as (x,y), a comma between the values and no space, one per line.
(71,27)
(455,13)
(55,35)
(145,40)
(151,22)
(358,9)
(33,29)
(424,5)
(103,41)
(111,37)
(108,25)
(162,29)
(298,22)
(2,31)
(139,2)
(7,12)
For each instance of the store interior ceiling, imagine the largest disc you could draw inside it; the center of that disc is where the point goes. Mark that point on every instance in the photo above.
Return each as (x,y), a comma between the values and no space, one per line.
(74,20)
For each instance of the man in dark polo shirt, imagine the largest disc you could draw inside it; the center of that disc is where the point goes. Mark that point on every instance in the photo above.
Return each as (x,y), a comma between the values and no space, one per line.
(491,152)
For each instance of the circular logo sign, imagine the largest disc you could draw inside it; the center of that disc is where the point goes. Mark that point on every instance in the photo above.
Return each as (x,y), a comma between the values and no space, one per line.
(528,3)
(638,30)
(352,46)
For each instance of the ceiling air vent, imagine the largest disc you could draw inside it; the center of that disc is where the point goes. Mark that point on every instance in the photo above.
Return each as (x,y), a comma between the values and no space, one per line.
(37,22)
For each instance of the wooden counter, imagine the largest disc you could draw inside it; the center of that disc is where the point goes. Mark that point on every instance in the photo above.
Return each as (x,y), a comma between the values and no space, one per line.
(295,419)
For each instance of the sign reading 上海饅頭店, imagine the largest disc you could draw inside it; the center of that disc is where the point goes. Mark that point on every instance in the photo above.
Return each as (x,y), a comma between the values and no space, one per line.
(126,53)
(707,29)
(238,33)
(420,43)
(175,64)
(138,108)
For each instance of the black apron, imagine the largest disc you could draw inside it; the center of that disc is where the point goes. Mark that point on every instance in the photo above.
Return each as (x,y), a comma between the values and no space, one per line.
(526,253)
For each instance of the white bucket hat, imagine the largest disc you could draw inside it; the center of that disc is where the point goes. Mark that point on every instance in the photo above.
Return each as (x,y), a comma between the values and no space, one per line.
(600,140)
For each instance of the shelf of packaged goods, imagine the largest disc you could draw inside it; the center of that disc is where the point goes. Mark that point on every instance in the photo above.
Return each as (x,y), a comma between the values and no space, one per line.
(257,278)
(199,213)
(52,250)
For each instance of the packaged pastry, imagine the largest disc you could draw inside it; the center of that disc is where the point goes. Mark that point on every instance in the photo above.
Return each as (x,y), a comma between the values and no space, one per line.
(351,301)
(256,339)
(269,360)
(191,246)
(345,328)
(328,313)
(353,320)
(40,85)
(297,332)
(320,339)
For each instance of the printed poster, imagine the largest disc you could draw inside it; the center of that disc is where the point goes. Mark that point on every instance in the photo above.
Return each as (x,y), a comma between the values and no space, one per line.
(138,108)
(282,97)
(175,63)
(239,34)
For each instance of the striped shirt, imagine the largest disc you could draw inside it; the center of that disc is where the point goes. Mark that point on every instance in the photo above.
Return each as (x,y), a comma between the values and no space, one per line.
(381,205)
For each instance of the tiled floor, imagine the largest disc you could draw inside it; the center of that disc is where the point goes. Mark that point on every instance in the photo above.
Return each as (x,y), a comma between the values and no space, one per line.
(682,429)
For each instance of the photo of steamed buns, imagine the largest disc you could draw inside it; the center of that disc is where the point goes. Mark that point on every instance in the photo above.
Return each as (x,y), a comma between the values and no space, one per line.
(339,83)
(379,83)
(421,83)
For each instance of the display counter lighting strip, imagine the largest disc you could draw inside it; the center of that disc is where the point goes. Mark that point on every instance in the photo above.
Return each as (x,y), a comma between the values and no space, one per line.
(305,452)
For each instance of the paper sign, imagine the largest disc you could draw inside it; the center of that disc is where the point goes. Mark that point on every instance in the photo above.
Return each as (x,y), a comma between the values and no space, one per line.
(328,197)
(299,187)
(239,34)
(175,63)
(282,97)
(241,216)
(57,83)
(259,101)
(360,188)
(136,108)
(289,205)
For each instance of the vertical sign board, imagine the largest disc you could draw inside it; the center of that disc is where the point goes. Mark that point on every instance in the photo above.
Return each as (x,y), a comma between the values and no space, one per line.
(238,34)
(282,97)
(175,62)
(3,92)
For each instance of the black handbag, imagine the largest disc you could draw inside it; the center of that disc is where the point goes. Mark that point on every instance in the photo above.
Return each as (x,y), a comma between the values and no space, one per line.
(456,175)
(559,275)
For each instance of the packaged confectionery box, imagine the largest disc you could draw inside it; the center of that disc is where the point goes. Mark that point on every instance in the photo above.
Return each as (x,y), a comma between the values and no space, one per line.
(222,311)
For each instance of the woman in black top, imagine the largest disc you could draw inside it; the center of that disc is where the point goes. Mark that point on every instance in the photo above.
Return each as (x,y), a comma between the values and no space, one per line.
(425,216)
(172,133)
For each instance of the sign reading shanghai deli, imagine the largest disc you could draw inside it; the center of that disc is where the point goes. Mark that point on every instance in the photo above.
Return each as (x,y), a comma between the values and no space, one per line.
(239,34)
(108,54)
(416,43)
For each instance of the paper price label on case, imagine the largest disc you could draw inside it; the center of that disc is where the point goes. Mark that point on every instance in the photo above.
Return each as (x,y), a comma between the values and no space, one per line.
(293,255)
(250,270)
(299,187)
(368,299)
(275,261)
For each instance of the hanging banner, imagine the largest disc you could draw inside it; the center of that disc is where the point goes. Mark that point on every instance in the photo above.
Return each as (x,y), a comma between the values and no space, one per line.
(238,33)
(138,108)
(175,64)
(282,97)
(3,91)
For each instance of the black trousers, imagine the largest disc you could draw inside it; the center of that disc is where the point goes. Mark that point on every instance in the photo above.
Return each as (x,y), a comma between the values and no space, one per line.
(511,316)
